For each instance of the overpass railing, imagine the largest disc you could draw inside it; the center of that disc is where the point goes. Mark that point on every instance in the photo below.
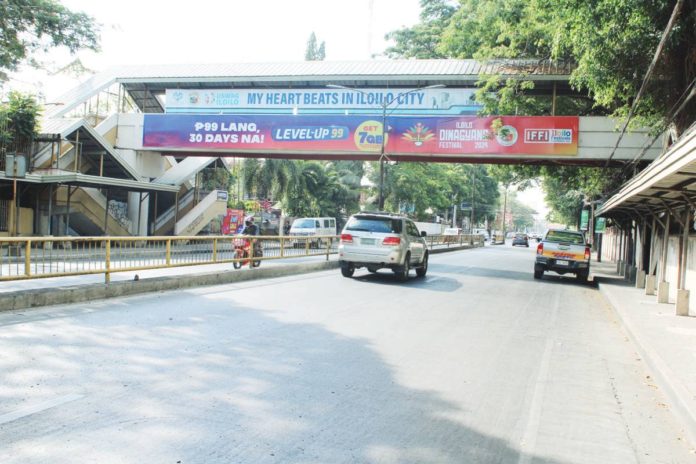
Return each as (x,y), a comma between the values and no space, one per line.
(41,257)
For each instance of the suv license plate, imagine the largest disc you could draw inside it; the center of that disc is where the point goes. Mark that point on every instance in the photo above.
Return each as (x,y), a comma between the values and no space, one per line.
(562,262)
(367,241)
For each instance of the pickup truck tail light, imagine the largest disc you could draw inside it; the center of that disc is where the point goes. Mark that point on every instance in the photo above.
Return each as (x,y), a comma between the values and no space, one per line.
(540,249)
(587,253)
(346,238)
(392,241)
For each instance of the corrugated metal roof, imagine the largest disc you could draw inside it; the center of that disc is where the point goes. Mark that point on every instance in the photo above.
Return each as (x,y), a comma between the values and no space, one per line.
(53,176)
(669,181)
(380,72)
(343,68)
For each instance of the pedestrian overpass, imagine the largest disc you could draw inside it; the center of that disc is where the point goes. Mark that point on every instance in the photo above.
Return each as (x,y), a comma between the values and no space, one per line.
(121,152)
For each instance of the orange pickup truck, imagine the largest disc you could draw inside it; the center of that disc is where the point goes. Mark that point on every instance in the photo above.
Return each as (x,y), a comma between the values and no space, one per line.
(563,251)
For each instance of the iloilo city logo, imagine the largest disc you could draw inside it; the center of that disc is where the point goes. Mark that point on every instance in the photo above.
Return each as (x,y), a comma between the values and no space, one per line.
(418,134)
(506,136)
(369,136)
(548,136)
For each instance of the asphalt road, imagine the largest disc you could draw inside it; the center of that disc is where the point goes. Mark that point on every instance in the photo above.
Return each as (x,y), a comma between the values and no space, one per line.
(476,363)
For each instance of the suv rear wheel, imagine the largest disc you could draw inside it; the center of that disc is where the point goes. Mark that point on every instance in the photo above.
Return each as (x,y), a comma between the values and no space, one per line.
(347,270)
(423,269)
(402,272)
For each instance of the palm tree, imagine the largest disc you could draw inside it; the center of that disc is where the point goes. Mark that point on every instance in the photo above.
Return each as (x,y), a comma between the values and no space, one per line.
(268,178)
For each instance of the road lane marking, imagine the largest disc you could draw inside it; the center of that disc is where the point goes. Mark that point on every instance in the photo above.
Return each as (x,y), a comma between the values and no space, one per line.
(38,407)
(531,430)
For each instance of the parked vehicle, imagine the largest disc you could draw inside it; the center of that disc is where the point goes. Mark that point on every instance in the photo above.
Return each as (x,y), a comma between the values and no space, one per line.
(312,227)
(521,240)
(563,251)
(242,248)
(382,240)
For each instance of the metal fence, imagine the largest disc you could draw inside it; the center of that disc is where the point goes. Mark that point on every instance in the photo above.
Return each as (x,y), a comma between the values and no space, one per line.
(32,258)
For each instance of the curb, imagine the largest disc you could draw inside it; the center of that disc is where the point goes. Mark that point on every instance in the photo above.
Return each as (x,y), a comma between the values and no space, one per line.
(678,395)
(80,293)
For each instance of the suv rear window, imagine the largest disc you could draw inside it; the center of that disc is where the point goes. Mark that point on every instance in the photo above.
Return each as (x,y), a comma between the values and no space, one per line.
(565,236)
(374,224)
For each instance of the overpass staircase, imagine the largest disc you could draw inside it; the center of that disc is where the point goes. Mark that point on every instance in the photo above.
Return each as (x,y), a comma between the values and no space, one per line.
(88,206)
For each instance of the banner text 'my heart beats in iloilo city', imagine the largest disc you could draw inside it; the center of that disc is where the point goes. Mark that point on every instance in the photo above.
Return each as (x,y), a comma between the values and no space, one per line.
(360,135)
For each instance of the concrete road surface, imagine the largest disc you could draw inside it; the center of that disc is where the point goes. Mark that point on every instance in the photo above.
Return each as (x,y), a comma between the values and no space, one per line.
(476,363)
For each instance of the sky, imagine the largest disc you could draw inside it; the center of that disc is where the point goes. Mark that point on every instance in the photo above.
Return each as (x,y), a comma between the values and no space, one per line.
(231,31)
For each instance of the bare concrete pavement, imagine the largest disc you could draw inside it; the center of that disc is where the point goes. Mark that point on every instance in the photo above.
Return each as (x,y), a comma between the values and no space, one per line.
(666,342)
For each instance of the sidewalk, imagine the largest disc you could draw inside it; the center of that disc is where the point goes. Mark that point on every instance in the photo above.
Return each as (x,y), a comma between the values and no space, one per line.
(665,341)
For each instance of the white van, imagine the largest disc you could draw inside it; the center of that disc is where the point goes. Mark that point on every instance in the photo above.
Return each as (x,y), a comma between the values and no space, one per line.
(309,227)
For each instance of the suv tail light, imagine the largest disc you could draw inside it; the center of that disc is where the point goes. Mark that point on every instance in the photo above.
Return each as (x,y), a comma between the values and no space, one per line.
(391,241)
(540,249)
(587,253)
(346,238)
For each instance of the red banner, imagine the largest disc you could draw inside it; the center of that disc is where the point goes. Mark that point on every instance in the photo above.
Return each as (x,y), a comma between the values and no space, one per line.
(362,135)
(528,135)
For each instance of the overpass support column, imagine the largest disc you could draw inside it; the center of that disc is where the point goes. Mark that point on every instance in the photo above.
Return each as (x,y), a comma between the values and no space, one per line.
(682,292)
(663,286)
(640,273)
(650,278)
(630,271)
(619,260)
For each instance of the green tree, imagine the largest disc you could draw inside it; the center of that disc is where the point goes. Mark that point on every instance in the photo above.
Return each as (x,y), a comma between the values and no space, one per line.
(423,39)
(522,215)
(18,122)
(315,52)
(610,43)
(268,178)
(426,189)
(27,26)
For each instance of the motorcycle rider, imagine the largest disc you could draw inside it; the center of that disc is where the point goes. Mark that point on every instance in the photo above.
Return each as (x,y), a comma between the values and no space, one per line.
(252,229)
(249,227)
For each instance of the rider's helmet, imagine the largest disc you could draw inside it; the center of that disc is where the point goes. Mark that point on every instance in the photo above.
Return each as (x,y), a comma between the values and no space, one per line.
(249,220)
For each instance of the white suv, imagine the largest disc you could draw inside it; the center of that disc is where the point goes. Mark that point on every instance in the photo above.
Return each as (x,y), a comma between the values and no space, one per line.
(382,240)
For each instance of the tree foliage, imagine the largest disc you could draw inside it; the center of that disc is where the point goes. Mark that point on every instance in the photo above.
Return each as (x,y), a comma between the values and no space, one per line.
(28,26)
(305,188)
(18,121)
(424,190)
(315,52)
(423,39)
(610,43)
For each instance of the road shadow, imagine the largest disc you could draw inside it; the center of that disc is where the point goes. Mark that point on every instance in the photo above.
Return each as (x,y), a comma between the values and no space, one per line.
(431,282)
(493,273)
(203,379)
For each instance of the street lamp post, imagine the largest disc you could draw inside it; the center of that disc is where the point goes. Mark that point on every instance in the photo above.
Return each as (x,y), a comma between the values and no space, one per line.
(384,105)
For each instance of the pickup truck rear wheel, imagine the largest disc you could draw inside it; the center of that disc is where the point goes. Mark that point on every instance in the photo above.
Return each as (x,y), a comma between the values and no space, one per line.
(538,273)
(582,276)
